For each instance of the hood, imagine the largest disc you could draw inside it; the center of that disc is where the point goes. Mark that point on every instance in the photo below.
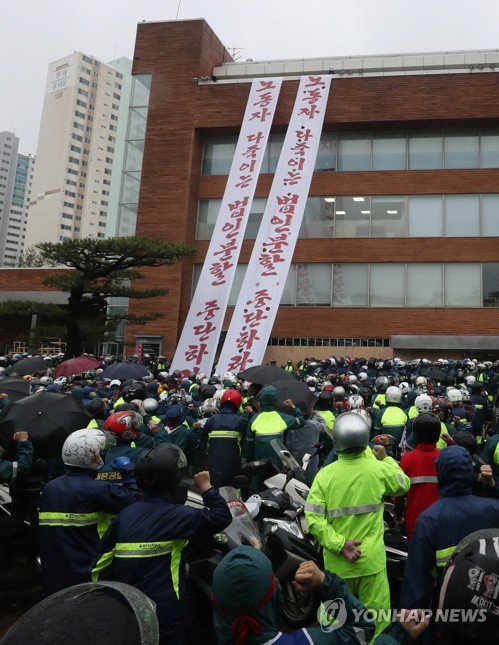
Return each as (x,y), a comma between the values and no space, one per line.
(268,397)
(454,472)
(245,598)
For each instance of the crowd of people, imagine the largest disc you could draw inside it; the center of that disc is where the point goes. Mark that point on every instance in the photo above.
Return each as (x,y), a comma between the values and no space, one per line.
(423,434)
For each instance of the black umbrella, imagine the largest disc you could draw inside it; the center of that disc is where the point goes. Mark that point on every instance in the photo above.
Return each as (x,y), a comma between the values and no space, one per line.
(265,374)
(123,371)
(16,388)
(28,366)
(434,373)
(47,417)
(297,391)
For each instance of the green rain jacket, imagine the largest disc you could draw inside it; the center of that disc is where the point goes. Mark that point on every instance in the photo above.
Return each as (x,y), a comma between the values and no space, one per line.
(346,503)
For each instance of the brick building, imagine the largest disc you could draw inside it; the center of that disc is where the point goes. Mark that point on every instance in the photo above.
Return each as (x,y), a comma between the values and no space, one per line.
(401,226)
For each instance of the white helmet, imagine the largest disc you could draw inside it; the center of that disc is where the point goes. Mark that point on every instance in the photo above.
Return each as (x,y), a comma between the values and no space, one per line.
(150,404)
(454,395)
(469,379)
(421,382)
(352,378)
(45,380)
(405,387)
(83,447)
(362,376)
(393,394)
(423,403)
(209,406)
(61,381)
(355,402)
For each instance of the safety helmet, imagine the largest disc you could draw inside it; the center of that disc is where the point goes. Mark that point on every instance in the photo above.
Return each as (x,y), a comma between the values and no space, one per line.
(393,394)
(362,376)
(381,383)
(311,381)
(45,380)
(365,415)
(454,395)
(61,381)
(442,407)
(83,447)
(208,406)
(339,393)
(135,390)
(405,387)
(350,432)
(233,397)
(469,379)
(471,573)
(123,425)
(423,403)
(355,402)
(150,404)
(352,378)
(160,468)
(421,383)
(426,428)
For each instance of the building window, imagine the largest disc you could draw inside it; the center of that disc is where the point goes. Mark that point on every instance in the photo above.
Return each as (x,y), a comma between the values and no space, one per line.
(462,285)
(461,150)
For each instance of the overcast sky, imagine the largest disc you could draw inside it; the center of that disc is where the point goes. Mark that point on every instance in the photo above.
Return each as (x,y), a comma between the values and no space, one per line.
(35,32)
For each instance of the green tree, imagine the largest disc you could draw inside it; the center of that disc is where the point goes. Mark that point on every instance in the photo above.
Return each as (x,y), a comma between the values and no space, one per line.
(101,269)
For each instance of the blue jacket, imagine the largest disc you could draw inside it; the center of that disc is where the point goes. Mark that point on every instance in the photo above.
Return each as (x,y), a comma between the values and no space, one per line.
(144,547)
(220,444)
(74,512)
(443,525)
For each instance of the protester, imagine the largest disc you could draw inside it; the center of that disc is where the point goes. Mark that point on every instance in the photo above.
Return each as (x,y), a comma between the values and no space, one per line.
(75,510)
(344,510)
(144,545)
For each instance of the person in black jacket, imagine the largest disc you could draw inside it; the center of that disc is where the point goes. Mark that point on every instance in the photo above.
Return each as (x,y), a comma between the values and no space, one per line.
(144,545)
(220,444)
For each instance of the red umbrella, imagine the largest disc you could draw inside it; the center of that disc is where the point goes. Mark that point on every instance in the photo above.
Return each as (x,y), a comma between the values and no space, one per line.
(74,366)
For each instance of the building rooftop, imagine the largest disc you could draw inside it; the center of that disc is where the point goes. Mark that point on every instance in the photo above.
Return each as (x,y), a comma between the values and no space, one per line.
(457,62)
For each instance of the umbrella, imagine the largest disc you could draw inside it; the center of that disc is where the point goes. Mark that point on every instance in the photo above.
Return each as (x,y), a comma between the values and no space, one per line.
(123,371)
(434,373)
(75,366)
(48,418)
(265,374)
(28,366)
(17,388)
(297,391)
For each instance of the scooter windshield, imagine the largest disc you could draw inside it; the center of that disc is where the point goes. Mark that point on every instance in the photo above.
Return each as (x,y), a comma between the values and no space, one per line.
(242,530)
(286,457)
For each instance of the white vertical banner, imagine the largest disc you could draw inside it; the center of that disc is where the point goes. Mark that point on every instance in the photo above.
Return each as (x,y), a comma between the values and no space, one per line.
(265,278)
(198,342)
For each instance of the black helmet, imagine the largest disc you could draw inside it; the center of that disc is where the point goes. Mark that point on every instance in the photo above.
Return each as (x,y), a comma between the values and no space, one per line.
(136,390)
(470,583)
(426,428)
(177,374)
(160,469)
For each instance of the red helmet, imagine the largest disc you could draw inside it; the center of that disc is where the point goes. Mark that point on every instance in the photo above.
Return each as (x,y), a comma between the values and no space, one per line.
(123,425)
(232,396)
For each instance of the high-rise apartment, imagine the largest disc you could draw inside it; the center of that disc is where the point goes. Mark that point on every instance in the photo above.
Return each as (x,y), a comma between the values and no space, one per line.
(76,149)
(16,175)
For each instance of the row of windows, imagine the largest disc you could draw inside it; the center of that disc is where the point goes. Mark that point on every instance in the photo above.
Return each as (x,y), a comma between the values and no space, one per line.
(375,216)
(329,342)
(451,284)
(359,151)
